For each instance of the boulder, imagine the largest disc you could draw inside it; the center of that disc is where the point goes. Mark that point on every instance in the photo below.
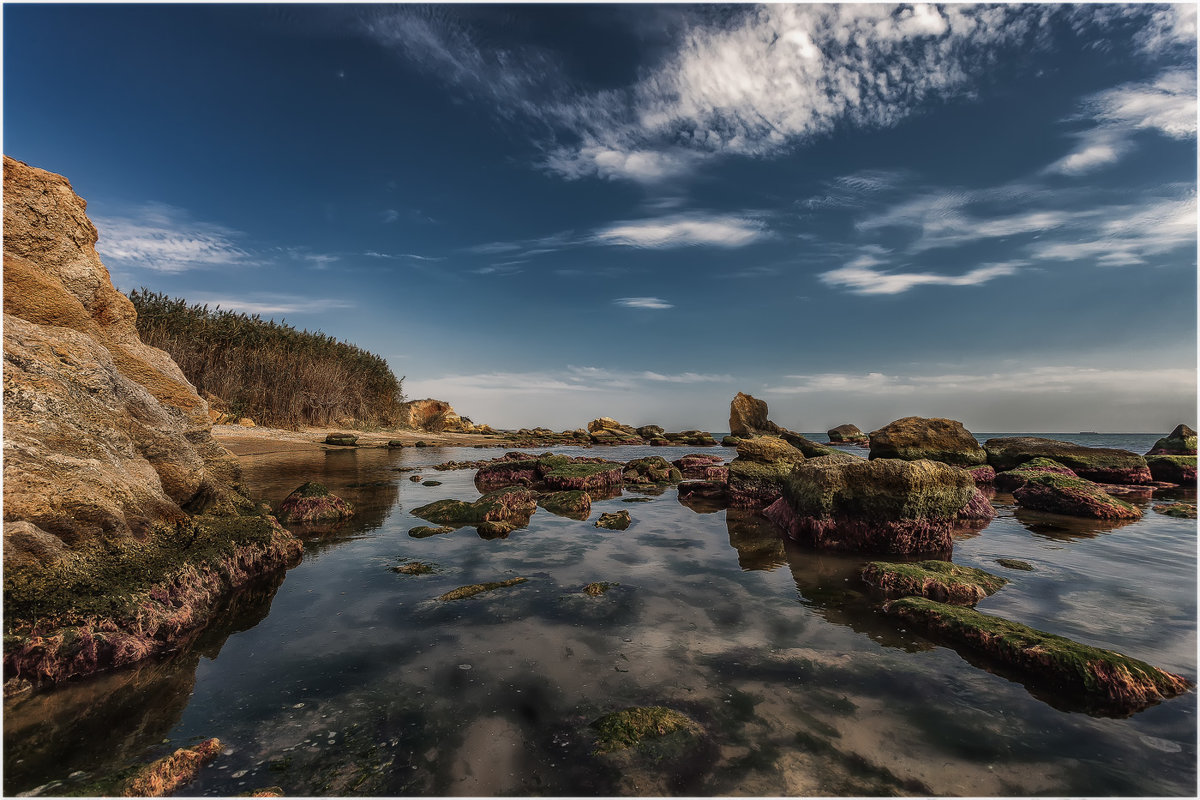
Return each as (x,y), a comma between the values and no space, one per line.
(610,424)
(1179,442)
(1076,497)
(585,475)
(312,502)
(105,441)
(1013,479)
(942,581)
(1103,464)
(614,521)
(884,505)
(695,465)
(622,435)
(344,439)
(631,727)
(812,449)
(524,471)
(651,432)
(748,417)
(1177,510)
(572,504)
(730,441)
(513,504)
(757,475)
(1173,469)
(709,490)
(651,470)
(982,473)
(1102,681)
(935,439)
(847,434)
(691,438)
(435,416)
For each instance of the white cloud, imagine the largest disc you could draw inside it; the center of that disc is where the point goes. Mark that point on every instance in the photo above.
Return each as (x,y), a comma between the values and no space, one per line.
(277,304)
(643,302)
(678,230)
(685,377)
(1124,235)
(413,256)
(165,239)
(1170,27)
(864,280)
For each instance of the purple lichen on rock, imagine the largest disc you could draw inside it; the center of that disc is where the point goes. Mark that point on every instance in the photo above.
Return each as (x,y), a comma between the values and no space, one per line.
(312,502)
(1102,464)
(1061,494)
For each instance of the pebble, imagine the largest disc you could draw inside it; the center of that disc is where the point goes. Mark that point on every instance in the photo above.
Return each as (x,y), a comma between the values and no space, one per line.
(464,666)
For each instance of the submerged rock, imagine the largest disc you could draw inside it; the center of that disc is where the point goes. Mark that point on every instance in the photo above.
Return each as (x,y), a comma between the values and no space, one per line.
(631,727)
(614,521)
(599,588)
(1012,563)
(344,439)
(937,580)
(1012,479)
(1103,680)
(1179,442)
(312,502)
(935,439)
(512,504)
(695,466)
(584,475)
(1062,494)
(1178,510)
(425,531)
(171,773)
(847,434)
(1103,464)
(413,568)
(463,592)
(574,504)
(884,505)
(712,490)
(653,469)
(1173,469)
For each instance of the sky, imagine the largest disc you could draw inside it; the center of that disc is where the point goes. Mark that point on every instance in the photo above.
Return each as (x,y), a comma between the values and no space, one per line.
(546,213)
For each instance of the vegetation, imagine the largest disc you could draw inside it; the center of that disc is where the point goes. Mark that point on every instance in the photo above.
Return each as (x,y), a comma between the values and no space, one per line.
(629,727)
(937,580)
(478,588)
(267,370)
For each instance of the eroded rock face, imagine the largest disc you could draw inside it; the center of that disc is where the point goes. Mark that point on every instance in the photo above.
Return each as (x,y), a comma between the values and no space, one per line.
(1103,464)
(748,417)
(756,477)
(435,416)
(1173,469)
(934,438)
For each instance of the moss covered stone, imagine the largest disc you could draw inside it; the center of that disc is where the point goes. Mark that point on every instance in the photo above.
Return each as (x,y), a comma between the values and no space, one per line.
(1062,494)
(598,588)
(1015,478)
(1102,464)
(1012,563)
(514,504)
(1178,510)
(933,438)
(478,588)
(631,727)
(312,502)
(413,568)
(584,475)
(847,434)
(573,504)
(1173,469)
(1179,442)
(1104,679)
(343,439)
(937,580)
(730,441)
(615,521)
(171,773)
(651,470)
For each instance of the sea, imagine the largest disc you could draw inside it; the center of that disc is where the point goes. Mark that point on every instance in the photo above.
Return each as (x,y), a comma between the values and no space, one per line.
(344,677)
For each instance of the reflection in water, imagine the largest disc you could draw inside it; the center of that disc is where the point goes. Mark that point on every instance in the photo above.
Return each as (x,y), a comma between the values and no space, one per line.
(758,541)
(1064,528)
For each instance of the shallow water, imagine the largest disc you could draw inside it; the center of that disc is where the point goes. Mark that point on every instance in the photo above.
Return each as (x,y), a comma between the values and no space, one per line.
(347,678)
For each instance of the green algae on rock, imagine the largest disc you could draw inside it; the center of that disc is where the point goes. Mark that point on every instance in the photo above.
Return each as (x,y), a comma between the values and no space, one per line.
(1102,464)
(652,469)
(1013,563)
(478,588)
(935,439)
(573,504)
(598,588)
(938,580)
(1173,469)
(425,531)
(1179,442)
(413,568)
(1178,510)
(614,521)
(170,773)
(1016,477)
(631,727)
(312,502)
(343,439)
(584,475)
(1103,681)
(1062,494)
(512,504)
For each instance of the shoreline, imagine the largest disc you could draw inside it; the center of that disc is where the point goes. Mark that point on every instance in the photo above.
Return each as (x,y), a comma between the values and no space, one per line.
(256,441)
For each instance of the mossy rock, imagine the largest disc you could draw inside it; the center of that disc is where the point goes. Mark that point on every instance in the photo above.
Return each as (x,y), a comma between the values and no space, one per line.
(653,469)
(513,503)
(812,449)
(1173,469)
(1102,464)
(937,580)
(1015,478)
(1062,494)
(598,588)
(614,521)
(425,531)
(1012,563)
(313,502)
(584,475)
(422,443)
(431,483)
(730,441)
(170,773)
(573,504)
(344,439)
(1177,510)
(880,489)
(1179,442)
(395,443)
(768,450)
(931,438)
(631,727)
(1103,680)
(413,568)
(464,592)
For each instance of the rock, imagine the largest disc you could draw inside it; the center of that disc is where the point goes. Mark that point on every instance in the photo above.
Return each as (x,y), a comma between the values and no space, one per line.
(572,504)
(631,727)
(1178,510)
(983,473)
(424,531)
(650,432)
(1062,494)
(936,439)
(431,483)
(847,434)
(1104,464)
(584,475)
(1179,442)
(696,465)
(748,417)
(692,438)
(395,443)
(616,436)
(478,588)
(615,521)
(884,505)
(312,502)
(435,416)
(1173,469)
(1012,563)
(246,422)
(104,440)
(343,439)
(757,475)
(422,443)
(729,441)
(610,424)
(413,568)
(416,478)
(512,504)
(597,589)
(651,470)
(713,490)
(937,580)
(1103,680)
(171,773)
(1012,479)
(514,469)
(812,449)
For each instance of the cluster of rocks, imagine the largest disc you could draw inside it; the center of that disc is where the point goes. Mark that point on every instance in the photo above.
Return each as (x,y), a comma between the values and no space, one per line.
(436,416)
(608,431)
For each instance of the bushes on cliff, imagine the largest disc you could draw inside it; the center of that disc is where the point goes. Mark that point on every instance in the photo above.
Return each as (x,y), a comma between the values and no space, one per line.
(268,370)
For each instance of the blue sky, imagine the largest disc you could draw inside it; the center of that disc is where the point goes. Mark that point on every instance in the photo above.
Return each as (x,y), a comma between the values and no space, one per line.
(545,214)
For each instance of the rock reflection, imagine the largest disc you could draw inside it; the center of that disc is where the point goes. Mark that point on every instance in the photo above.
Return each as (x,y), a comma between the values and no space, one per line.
(758,541)
(1067,529)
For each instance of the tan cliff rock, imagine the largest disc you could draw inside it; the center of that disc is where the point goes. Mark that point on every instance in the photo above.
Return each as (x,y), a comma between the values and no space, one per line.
(435,416)
(109,460)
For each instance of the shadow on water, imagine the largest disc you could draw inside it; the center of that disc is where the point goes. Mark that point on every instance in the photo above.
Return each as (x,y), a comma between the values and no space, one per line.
(107,722)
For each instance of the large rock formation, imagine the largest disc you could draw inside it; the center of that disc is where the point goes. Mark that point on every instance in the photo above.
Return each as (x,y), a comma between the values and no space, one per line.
(1103,464)
(847,434)
(748,417)
(757,475)
(435,416)
(104,439)
(936,439)
(1179,442)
